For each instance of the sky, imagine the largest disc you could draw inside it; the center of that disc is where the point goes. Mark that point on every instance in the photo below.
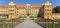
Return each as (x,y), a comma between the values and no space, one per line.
(54,2)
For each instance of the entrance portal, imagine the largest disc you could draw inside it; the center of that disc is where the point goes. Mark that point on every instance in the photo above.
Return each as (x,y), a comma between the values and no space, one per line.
(27,14)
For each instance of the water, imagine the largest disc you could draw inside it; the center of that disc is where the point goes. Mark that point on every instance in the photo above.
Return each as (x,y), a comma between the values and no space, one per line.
(28,23)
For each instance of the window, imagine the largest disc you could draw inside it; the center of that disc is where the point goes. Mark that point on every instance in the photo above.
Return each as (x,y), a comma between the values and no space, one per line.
(50,13)
(11,13)
(17,14)
(47,6)
(11,6)
(55,17)
(17,11)
(11,17)
(45,13)
(50,9)
(11,10)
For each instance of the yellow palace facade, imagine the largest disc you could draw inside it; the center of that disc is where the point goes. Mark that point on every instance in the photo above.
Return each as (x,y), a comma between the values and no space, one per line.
(13,10)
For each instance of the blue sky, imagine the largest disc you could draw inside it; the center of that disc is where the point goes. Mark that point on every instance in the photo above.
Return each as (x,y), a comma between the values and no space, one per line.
(54,2)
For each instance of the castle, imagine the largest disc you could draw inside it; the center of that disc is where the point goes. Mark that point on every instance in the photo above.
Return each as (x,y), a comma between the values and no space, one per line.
(13,10)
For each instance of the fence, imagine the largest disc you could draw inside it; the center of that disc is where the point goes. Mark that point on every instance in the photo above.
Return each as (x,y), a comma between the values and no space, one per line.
(46,24)
(50,24)
(14,22)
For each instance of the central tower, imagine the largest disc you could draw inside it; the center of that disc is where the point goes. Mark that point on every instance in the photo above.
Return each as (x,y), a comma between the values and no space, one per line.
(28,9)
(12,10)
(48,10)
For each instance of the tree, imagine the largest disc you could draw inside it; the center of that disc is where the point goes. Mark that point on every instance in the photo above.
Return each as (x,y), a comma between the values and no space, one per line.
(56,9)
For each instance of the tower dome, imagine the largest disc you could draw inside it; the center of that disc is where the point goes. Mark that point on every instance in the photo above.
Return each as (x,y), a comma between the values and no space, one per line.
(47,3)
(28,5)
(11,3)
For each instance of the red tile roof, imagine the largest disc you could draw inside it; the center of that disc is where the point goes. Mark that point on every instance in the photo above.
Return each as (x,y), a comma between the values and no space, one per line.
(3,6)
(56,14)
(22,6)
(36,6)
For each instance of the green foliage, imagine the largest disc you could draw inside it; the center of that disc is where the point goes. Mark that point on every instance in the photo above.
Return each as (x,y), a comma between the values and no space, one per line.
(22,16)
(3,19)
(33,16)
(56,9)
